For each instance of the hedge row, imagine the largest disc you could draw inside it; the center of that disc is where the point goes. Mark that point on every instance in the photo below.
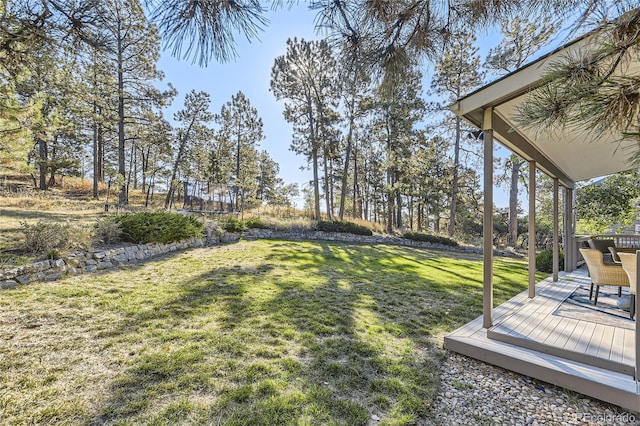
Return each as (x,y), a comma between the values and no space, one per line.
(433,239)
(343,226)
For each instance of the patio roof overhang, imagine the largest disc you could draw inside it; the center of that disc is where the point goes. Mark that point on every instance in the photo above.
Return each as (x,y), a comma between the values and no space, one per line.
(567,155)
(570,155)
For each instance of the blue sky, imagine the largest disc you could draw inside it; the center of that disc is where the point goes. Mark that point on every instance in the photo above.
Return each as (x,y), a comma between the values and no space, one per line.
(251,73)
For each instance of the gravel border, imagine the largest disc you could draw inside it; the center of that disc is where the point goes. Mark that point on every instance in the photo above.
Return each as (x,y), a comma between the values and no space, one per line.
(476,393)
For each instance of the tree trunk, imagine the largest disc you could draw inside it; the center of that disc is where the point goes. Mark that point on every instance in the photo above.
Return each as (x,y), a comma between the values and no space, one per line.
(100,153)
(132,172)
(345,172)
(96,163)
(96,192)
(327,192)
(331,189)
(316,184)
(314,161)
(52,170)
(151,180)
(122,195)
(410,207)
(144,158)
(389,207)
(134,152)
(513,201)
(356,211)
(174,174)
(454,184)
(399,223)
(237,188)
(42,163)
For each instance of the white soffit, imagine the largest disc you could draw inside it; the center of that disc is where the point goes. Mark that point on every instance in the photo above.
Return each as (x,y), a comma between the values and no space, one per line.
(577,155)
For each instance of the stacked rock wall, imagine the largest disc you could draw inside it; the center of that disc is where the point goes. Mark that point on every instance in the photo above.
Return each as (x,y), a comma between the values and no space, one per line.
(86,262)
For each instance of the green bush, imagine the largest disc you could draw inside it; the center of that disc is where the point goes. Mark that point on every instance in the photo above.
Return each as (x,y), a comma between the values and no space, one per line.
(158,227)
(48,237)
(255,223)
(544,260)
(343,226)
(233,225)
(433,239)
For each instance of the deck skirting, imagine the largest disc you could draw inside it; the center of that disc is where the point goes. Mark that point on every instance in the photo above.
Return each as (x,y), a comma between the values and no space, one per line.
(527,339)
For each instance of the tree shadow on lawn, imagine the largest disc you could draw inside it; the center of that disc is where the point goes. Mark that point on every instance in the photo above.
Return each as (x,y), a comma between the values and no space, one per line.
(510,276)
(339,349)
(335,333)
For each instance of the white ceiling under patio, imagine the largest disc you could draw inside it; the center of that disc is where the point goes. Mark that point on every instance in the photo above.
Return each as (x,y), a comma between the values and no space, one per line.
(567,154)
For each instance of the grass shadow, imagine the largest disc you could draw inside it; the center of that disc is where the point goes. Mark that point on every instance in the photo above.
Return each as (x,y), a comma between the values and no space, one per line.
(264,332)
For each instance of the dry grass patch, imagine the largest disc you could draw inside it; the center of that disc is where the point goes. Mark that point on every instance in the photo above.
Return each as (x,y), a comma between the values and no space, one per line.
(263,332)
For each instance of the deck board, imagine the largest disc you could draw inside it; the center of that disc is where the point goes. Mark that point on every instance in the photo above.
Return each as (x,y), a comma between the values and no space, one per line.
(597,341)
(617,346)
(594,359)
(562,335)
(629,347)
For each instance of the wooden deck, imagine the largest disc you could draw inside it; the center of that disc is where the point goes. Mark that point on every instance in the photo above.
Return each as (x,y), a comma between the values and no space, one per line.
(529,338)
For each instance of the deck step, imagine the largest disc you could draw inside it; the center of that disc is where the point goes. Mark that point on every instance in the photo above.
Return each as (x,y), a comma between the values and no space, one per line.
(592,359)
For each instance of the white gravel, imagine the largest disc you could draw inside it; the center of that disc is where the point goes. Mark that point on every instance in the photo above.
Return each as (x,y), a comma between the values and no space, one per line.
(475,393)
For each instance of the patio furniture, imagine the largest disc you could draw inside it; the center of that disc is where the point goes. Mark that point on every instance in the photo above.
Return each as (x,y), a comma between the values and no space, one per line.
(629,264)
(615,250)
(602,245)
(603,273)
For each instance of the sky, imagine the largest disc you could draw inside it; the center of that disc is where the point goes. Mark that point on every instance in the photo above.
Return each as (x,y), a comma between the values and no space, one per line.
(250,73)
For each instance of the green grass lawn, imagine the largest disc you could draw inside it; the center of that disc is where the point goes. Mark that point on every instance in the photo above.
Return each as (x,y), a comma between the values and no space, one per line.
(260,333)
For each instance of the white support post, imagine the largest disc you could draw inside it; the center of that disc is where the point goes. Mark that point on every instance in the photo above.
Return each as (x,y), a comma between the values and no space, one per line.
(532,229)
(570,249)
(556,237)
(567,236)
(487,221)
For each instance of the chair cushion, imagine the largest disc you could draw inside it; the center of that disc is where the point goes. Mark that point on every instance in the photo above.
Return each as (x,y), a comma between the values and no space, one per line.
(602,245)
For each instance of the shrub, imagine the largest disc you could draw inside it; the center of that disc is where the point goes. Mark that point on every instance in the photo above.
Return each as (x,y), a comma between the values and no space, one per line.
(158,227)
(107,231)
(343,226)
(233,225)
(53,254)
(433,239)
(254,223)
(46,237)
(544,260)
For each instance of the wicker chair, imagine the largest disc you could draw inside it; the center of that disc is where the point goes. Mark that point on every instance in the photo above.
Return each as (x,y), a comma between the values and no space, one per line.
(615,250)
(630,267)
(603,273)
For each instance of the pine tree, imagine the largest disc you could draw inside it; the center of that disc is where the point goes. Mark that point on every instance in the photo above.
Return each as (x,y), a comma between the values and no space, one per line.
(457,73)
(305,78)
(594,90)
(521,39)
(241,126)
(397,109)
(133,47)
(194,119)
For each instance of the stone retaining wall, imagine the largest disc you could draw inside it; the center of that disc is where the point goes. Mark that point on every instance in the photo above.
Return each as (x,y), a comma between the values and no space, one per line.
(306,235)
(87,262)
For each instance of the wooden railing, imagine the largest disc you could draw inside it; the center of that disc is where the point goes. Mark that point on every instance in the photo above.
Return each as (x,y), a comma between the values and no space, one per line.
(573,259)
(620,240)
(624,240)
